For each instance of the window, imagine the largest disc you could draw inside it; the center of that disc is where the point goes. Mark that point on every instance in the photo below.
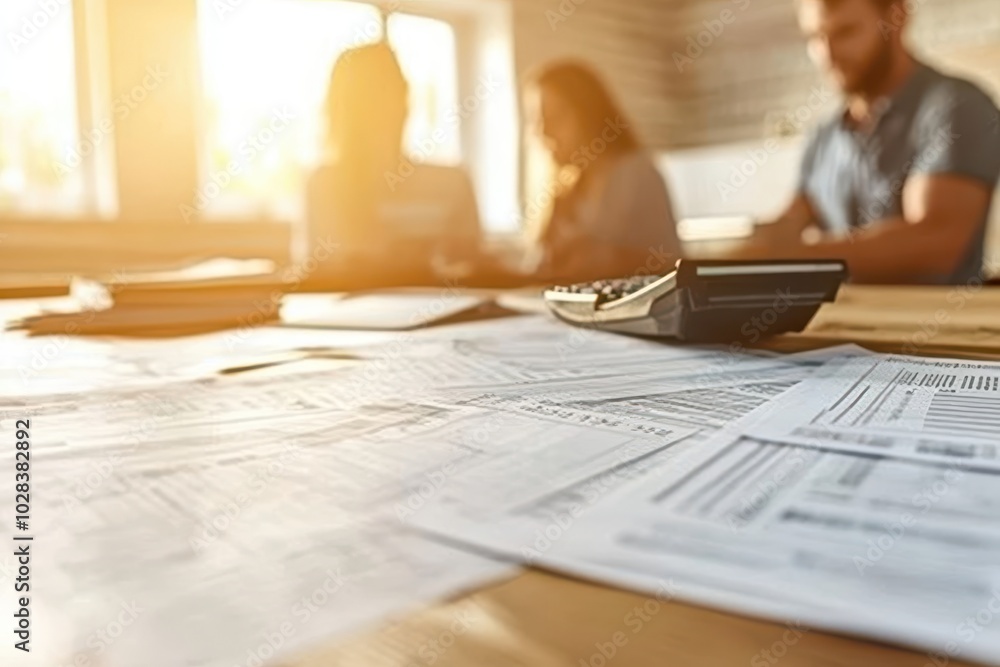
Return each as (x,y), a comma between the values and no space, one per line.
(266,67)
(253,98)
(40,156)
(426,49)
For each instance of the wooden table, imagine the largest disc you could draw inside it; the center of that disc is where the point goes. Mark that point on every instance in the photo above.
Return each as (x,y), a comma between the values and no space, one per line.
(542,619)
(961,321)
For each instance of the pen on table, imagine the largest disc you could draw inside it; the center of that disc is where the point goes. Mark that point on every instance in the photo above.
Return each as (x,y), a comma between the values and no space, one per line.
(302,354)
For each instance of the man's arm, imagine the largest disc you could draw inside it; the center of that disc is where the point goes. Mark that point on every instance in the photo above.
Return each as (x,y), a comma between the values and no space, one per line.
(941,213)
(788,227)
(943,202)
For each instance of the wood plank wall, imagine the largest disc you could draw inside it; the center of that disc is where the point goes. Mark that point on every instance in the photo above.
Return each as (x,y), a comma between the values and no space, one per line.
(749,75)
(628,41)
(753,74)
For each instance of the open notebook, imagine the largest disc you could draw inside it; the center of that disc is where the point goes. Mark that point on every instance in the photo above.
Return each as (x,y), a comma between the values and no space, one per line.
(388,311)
(214,295)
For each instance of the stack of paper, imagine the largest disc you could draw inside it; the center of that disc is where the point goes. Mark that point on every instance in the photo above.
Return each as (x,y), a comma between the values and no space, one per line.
(244,500)
(208,297)
(865,499)
(839,490)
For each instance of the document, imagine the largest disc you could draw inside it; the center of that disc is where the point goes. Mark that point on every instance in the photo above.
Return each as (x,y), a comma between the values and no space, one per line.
(537,355)
(378,312)
(234,499)
(235,521)
(523,351)
(933,409)
(895,550)
(74,365)
(679,408)
(556,461)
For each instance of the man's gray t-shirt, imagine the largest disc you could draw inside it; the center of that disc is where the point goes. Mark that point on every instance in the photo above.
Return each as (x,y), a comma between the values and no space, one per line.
(935,124)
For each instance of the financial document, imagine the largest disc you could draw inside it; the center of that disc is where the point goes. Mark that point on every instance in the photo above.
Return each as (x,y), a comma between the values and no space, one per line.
(239,520)
(273,527)
(678,407)
(539,355)
(823,536)
(933,409)
(284,505)
(896,550)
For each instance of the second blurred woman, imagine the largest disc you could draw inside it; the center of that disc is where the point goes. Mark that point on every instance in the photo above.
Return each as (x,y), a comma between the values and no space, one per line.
(615,218)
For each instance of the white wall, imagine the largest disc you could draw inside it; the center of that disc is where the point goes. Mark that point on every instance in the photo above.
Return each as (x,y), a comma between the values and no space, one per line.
(733,179)
(705,182)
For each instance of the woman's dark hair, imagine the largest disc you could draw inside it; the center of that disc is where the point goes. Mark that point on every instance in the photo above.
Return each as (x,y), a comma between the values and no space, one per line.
(591,101)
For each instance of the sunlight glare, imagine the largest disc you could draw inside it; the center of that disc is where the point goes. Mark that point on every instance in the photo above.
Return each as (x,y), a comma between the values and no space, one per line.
(38,121)
(275,56)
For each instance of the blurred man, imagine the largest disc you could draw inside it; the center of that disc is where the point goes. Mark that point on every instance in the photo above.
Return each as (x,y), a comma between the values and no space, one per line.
(899,183)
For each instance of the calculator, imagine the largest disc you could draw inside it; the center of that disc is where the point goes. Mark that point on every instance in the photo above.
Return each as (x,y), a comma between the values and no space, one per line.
(705,300)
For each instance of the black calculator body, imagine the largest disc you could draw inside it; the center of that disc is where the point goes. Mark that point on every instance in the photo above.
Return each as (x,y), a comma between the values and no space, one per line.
(707,301)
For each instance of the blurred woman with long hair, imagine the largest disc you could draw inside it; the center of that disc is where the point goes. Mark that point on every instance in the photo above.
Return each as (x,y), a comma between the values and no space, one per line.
(612,216)
(370,198)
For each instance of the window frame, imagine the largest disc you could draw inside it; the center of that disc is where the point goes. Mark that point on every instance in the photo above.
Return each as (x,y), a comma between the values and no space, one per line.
(137,180)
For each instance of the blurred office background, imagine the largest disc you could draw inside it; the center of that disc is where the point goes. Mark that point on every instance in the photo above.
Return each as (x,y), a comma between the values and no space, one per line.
(146,133)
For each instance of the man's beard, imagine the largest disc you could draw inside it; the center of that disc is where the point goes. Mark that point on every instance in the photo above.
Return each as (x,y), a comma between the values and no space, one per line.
(872,79)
